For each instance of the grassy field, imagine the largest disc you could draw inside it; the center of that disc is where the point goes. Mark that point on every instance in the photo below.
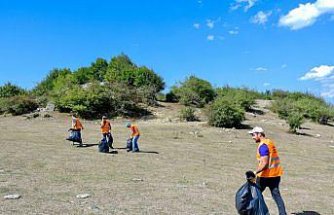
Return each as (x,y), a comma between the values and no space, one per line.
(183,168)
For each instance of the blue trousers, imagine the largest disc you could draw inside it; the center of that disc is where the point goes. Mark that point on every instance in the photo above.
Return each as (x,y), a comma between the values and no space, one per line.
(273,184)
(135,147)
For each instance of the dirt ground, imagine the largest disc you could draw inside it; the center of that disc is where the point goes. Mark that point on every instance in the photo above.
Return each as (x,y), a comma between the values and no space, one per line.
(183,168)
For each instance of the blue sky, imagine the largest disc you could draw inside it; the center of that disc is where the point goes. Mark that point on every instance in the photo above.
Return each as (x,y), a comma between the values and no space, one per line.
(260,44)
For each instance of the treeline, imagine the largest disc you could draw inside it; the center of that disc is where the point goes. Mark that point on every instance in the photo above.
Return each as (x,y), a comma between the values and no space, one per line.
(121,88)
(117,87)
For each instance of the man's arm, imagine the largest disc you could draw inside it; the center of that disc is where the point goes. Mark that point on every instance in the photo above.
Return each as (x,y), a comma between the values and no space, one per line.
(264,161)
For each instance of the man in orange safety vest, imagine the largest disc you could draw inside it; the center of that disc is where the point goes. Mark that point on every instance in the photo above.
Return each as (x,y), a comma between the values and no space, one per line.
(269,169)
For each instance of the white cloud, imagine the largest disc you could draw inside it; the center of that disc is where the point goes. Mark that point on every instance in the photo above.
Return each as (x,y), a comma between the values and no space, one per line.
(318,73)
(261,17)
(233,32)
(210,23)
(210,37)
(284,66)
(327,87)
(247,4)
(266,84)
(323,74)
(261,69)
(306,14)
(196,25)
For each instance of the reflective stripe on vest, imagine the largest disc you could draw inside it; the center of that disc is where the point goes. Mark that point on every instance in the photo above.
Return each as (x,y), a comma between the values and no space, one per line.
(274,168)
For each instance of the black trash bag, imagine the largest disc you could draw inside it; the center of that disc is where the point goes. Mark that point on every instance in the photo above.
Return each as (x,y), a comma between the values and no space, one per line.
(110,140)
(75,136)
(129,144)
(249,199)
(103,146)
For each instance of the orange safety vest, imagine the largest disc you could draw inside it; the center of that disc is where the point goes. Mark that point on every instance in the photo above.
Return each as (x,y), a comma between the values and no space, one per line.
(274,167)
(105,128)
(135,131)
(77,125)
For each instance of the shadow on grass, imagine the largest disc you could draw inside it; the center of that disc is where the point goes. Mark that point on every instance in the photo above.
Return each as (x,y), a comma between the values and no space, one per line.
(120,148)
(86,145)
(304,134)
(148,152)
(328,124)
(243,126)
(305,128)
(141,151)
(307,213)
(255,111)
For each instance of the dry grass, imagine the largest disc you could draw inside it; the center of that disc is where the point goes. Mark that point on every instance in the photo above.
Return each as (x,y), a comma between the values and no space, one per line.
(179,172)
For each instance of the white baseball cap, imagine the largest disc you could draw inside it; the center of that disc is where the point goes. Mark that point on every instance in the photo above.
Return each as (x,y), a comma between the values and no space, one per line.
(256,129)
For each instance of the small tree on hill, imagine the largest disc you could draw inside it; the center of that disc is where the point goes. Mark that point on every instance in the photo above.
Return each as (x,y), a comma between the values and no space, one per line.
(223,113)
(194,91)
(295,120)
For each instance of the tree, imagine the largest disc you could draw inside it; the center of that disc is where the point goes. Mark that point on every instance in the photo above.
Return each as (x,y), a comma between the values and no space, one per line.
(227,114)
(194,91)
(9,90)
(99,69)
(83,75)
(295,120)
(46,86)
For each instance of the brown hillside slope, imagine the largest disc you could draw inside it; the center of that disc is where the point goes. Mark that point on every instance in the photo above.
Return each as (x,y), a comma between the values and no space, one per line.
(184,168)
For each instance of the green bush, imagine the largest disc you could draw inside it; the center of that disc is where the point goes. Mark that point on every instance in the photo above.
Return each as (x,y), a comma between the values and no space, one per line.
(194,91)
(242,97)
(45,87)
(96,100)
(188,114)
(282,107)
(88,103)
(295,120)
(9,90)
(18,105)
(309,106)
(223,113)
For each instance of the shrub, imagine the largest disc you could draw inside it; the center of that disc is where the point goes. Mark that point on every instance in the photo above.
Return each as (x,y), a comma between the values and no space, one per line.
(194,91)
(144,82)
(242,97)
(47,84)
(295,120)
(171,97)
(310,107)
(9,90)
(223,113)
(188,114)
(147,95)
(88,103)
(18,105)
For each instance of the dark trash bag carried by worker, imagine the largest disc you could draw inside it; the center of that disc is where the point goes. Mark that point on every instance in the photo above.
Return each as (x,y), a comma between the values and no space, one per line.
(249,199)
(129,144)
(103,146)
(75,136)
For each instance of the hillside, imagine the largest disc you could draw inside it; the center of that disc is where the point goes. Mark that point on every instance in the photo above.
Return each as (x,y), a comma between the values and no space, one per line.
(183,168)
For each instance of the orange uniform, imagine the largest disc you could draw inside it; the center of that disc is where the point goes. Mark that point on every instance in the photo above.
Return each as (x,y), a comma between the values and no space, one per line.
(105,127)
(134,130)
(274,167)
(77,124)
